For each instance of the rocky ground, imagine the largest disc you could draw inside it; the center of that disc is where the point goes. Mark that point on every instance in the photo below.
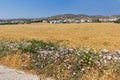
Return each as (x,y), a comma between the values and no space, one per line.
(13,74)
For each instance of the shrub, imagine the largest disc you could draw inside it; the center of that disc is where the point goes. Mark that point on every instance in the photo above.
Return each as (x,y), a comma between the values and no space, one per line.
(7,48)
(34,46)
(85,58)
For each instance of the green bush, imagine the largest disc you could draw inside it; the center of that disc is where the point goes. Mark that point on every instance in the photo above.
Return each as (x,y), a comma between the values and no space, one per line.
(33,46)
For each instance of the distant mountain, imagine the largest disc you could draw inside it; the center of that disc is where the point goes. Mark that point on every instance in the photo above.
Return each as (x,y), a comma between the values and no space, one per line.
(79,16)
(68,16)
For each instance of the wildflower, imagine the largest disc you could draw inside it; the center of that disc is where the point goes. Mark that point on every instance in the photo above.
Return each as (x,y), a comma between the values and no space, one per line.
(25,65)
(52,48)
(88,67)
(57,55)
(105,61)
(74,73)
(28,56)
(69,67)
(38,56)
(82,69)
(45,52)
(44,58)
(71,50)
(65,61)
(33,60)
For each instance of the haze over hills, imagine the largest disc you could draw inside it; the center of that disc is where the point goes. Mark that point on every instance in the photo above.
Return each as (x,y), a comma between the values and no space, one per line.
(69,16)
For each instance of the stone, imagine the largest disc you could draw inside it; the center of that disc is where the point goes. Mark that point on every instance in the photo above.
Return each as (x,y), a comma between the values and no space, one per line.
(118,52)
(105,51)
(13,74)
(109,57)
(49,79)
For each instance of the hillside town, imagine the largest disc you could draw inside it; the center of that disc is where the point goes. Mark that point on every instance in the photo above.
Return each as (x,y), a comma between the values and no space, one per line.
(65,18)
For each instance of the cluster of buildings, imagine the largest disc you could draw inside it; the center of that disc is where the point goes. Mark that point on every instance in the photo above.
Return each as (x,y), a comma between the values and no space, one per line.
(81,20)
(54,20)
(108,19)
(15,21)
(71,21)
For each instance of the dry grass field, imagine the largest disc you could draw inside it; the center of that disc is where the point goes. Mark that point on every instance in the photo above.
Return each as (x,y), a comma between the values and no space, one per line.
(97,35)
(94,35)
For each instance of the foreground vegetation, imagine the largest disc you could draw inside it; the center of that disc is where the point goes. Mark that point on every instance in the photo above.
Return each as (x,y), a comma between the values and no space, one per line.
(62,63)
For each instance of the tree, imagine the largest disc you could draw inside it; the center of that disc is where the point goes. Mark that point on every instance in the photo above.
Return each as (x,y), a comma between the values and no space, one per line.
(96,21)
(118,21)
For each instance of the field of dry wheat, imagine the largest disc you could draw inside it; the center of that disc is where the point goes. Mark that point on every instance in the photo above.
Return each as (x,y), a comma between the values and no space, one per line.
(97,35)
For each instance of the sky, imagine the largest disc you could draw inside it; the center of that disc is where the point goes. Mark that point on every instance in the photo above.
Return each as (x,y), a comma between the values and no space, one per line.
(44,8)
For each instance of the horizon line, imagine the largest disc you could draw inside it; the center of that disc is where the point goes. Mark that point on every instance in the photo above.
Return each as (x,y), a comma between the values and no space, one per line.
(58,15)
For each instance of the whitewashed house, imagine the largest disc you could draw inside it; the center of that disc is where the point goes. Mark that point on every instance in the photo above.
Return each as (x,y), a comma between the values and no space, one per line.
(108,19)
(44,21)
(113,19)
(71,20)
(89,20)
(83,20)
(77,21)
(15,22)
(55,21)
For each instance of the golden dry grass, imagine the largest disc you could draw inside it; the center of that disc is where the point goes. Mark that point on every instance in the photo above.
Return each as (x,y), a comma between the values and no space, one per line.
(97,35)
(95,75)
(15,60)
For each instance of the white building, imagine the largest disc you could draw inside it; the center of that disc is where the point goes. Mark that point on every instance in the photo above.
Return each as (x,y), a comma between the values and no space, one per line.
(108,19)
(44,21)
(83,20)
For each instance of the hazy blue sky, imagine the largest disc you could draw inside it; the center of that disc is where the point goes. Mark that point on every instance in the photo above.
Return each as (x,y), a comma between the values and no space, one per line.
(43,8)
